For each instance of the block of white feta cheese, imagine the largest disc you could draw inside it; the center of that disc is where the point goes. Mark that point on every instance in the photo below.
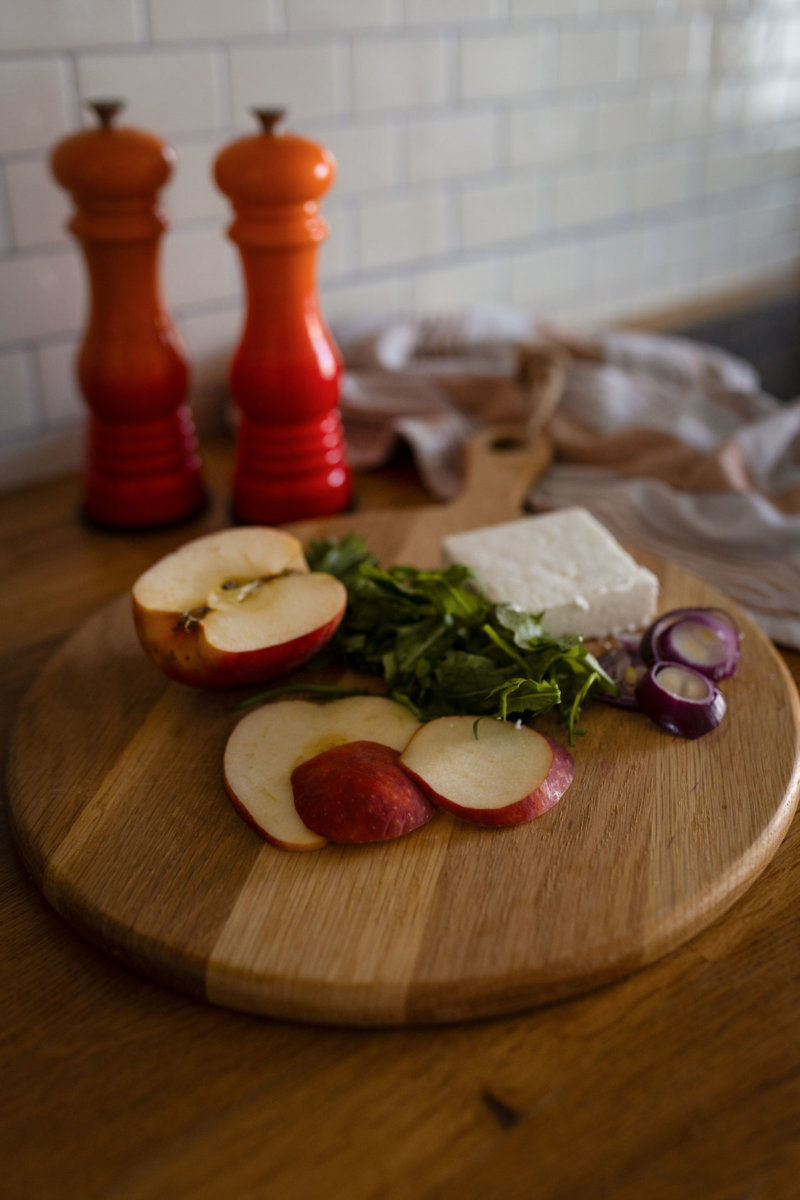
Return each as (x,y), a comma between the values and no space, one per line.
(565,564)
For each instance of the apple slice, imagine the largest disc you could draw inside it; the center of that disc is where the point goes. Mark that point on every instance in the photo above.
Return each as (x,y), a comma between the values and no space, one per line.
(495,773)
(235,607)
(269,743)
(358,793)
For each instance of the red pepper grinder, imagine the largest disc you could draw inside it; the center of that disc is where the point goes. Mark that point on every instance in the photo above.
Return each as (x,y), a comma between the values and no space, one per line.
(143,468)
(290,452)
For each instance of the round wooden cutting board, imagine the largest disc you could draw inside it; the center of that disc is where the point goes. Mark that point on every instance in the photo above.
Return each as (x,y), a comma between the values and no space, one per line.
(118,808)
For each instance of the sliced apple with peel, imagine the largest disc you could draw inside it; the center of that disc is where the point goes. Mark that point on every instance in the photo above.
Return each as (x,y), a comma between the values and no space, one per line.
(358,793)
(487,771)
(269,743)
(235,607)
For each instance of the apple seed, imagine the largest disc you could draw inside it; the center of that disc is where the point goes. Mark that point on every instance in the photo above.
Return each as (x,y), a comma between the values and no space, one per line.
(242,587)
(191,618)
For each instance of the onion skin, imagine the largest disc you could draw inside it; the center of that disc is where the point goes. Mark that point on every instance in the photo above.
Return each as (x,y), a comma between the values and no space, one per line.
(680,715)
(658,644)
(620,663)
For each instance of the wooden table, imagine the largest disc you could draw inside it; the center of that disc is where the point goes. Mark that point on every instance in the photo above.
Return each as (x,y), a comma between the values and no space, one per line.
(681,1081)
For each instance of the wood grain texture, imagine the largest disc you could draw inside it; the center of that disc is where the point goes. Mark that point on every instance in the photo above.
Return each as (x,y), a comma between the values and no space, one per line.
(679,1080)
(117,804)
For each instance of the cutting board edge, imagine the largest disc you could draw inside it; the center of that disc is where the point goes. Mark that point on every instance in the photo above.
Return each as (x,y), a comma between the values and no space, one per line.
(432,1003)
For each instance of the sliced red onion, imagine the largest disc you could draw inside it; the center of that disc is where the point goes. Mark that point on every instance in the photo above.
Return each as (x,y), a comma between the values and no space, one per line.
(705,639)
(680,699)
(626,668)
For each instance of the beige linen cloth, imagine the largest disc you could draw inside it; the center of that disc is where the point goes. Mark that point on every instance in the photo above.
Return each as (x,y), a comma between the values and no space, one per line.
(671,444)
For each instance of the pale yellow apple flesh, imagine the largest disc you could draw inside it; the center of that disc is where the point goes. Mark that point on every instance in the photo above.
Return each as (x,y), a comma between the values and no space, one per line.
(235,607)
(493,773)
(266,746)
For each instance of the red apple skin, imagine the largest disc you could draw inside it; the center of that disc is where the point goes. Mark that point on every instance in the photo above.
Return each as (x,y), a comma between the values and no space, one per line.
(358,793)
(549,792)
(184,654)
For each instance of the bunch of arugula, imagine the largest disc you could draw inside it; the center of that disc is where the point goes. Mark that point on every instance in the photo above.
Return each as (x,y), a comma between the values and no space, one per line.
(443,648)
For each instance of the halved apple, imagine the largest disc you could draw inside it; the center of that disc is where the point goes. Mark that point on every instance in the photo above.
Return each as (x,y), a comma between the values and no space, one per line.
(269,743)
(235,607)
(490,773)
(358,793)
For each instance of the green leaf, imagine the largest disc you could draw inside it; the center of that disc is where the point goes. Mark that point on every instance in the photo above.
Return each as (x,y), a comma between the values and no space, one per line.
(525,696)
(503,646)
(340,557)
(526,627)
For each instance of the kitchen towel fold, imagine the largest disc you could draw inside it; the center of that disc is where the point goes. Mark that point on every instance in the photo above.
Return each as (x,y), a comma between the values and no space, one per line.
(671,444)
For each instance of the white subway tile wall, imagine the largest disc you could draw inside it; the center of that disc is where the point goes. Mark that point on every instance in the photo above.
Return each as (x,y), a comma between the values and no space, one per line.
(587,160)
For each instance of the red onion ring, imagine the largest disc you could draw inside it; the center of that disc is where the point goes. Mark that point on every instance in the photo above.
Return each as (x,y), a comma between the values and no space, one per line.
(680,699)
(703,639)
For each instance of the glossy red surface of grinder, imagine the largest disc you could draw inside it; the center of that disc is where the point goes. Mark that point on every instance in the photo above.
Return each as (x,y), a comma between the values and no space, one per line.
(291,458)
(142,463)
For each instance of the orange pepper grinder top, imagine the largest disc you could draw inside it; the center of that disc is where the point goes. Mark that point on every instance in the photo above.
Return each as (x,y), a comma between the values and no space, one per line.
(290,451)
(143,468)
